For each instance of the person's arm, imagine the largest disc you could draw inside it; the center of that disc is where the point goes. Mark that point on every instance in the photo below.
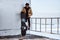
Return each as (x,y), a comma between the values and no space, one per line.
(30,14)
(31,11)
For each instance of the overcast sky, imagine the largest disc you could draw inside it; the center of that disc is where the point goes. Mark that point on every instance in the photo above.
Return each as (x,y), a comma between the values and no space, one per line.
(45,8)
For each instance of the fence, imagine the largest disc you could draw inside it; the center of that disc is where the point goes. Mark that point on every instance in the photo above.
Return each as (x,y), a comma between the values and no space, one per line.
(52,21)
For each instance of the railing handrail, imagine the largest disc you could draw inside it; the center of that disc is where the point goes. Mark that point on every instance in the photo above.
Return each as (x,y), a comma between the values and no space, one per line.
(45,17)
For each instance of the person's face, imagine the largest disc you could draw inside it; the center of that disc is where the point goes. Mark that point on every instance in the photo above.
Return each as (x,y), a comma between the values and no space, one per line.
(27,6)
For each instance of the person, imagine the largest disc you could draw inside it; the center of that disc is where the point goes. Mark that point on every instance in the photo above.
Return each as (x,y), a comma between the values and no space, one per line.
(28,11)
(26,14)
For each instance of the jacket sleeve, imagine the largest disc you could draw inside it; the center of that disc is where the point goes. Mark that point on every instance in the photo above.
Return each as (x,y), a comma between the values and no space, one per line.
(31,11)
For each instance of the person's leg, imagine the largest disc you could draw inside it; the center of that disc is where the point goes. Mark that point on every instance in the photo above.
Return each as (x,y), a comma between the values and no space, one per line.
(28,22)
(23,34)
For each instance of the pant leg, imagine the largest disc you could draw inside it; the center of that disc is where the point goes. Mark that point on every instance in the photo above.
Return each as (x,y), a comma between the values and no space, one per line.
(28,21)
(23,32)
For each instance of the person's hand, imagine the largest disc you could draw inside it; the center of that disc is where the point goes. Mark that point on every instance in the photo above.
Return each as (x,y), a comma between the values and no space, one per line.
(29,15)
(28,28)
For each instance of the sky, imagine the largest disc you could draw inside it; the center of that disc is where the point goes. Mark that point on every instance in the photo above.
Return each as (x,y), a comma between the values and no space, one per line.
(45,8)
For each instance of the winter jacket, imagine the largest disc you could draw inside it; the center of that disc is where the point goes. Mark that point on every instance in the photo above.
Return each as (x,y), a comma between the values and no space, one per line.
(29,11)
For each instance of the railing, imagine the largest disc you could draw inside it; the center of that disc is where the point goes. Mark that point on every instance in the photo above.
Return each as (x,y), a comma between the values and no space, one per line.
(54,24)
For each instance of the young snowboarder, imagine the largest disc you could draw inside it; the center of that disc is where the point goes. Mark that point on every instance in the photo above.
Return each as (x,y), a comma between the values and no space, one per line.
(26,13)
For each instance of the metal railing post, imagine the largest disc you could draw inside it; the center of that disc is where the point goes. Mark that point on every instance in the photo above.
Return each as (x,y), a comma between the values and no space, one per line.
(51,25)
(57,25)
(31,23)
(35,24)
(45,24)
(40,24)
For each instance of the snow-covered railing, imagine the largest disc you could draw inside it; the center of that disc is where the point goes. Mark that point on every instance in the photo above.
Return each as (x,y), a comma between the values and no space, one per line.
(51,24)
